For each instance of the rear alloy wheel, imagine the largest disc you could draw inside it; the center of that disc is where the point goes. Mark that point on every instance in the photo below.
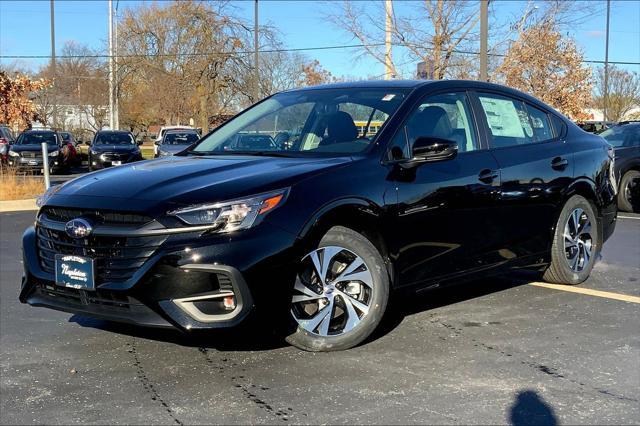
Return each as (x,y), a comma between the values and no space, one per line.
(625,193)
(340,293)
(576,243)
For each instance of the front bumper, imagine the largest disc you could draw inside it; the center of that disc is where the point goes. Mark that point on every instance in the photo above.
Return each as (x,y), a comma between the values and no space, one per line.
(182,285)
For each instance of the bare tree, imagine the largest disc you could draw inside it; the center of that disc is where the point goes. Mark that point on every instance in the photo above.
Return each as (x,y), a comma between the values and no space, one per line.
(623,94)
(434,31)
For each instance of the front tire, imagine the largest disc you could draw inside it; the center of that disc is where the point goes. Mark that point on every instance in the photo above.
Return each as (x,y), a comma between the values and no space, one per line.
(628,181)
(340,293)
(576,243)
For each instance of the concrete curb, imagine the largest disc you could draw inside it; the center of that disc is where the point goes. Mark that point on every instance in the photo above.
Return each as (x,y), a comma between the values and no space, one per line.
(18,205)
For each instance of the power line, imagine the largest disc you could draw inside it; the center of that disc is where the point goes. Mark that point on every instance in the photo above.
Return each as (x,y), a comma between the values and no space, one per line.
(251,52)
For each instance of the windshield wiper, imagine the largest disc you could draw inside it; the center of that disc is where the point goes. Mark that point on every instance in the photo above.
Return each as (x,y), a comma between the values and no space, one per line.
(256,153)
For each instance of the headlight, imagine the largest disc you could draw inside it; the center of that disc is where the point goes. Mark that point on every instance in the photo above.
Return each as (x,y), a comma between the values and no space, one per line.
(14,154)
(232,215)
(53,153)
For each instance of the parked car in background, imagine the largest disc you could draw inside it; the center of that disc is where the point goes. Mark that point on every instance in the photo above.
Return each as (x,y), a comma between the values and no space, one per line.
(26,151)
(113,148)
(595,126)
(625,139)
(161,135)
(6,139)
(175,141)
(462,179)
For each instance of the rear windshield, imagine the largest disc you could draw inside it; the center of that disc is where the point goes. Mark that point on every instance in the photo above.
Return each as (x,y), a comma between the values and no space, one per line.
(37,138)
(180,138)
(114,139)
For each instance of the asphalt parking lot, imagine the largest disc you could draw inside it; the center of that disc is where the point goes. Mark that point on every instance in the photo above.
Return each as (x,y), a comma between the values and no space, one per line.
(495,351)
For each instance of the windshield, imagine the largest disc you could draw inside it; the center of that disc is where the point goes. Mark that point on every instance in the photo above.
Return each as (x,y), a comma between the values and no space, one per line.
(180,138)
(335,121)
(37,139)
(114,139)
(66,136)
(623,136)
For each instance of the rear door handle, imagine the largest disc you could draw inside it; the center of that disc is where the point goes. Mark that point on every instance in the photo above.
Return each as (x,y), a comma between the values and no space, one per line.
(559,163)
(488,175)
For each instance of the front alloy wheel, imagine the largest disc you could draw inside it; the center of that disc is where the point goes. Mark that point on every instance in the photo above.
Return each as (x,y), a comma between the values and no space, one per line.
(340,292)
(333,291)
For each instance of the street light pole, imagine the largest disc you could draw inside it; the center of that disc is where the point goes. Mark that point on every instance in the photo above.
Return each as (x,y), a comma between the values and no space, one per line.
(484,35)
(116,92)
(111,74)
(53,65)
(256,87)
(606,67)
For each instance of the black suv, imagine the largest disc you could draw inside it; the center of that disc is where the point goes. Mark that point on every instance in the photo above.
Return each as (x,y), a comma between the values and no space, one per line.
(293,210)
(26,151)
(625,139)
(113,148)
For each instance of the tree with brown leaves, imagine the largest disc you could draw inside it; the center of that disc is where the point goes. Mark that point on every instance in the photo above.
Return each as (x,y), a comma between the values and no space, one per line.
(16,107)
(623,94)
(548,66)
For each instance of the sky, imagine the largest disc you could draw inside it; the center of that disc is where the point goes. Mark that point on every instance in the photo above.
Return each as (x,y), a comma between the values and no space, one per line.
(25,30)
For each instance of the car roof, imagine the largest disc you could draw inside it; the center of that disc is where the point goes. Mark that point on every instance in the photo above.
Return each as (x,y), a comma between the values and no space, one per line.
(114,131)
(180,131)
(39,131)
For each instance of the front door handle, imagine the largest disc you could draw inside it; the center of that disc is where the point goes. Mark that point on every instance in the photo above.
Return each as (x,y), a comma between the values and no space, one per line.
(488,175)
(559,163)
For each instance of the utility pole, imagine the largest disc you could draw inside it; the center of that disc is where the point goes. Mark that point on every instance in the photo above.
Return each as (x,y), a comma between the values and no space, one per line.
(116,88)
(484,35)
(111,74)
(388,67)
(53,66)
(256,88)
(606,67)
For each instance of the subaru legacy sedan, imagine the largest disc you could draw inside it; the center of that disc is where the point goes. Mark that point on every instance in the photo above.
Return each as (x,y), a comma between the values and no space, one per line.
(292,214)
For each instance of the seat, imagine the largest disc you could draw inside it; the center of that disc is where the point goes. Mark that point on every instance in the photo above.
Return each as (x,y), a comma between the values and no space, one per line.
(340,128)
(432,121)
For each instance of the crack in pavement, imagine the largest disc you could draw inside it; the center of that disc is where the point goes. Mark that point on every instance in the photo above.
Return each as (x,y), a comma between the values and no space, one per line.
(250,391)
(147,385)
(553,372)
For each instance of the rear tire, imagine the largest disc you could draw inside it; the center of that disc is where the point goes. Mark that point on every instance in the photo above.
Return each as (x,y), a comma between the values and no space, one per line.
(629,179)
(339,308)
(576,243)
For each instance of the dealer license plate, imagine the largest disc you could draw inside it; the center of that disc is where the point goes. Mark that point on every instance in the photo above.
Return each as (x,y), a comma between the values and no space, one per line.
(75,272)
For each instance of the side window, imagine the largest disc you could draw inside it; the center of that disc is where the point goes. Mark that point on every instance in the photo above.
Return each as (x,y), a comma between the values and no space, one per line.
(507,119)
(558,126)
(540,123)
(444,116)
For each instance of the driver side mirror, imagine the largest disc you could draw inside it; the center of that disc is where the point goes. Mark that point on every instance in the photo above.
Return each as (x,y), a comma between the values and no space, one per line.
(139,142)
(156,142)
(429,149)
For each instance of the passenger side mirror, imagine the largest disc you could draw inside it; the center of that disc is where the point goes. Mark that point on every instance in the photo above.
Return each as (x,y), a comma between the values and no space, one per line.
(429,149)
(88,143)
(156,142)
(139,142)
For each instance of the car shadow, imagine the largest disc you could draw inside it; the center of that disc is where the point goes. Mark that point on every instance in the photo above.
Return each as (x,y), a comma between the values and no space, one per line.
(260,335)
(530,409)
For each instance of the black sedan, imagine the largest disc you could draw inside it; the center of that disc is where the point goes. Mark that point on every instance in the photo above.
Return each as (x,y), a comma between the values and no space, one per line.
(625,138)
(460,180)
(113,148)
(175,141)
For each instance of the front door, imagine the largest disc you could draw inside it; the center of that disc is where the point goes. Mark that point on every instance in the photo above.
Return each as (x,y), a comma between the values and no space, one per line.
(445,223)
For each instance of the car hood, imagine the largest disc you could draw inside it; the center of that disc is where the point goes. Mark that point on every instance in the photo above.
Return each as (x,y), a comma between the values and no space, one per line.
(174,149)
(32,147)
(113,148)
(181,181)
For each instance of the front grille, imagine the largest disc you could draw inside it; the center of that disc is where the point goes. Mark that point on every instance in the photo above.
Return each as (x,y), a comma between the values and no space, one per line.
(31,154)
(114,156)
(61,214)
(116,258)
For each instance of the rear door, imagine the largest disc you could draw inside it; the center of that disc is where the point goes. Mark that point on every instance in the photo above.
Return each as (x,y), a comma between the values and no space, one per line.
(536,167)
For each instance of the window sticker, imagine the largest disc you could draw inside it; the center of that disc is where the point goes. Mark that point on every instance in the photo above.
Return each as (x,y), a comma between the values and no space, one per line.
(388,97)
(502,117)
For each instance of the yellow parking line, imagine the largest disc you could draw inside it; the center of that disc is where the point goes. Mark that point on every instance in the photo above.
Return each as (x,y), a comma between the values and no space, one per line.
(590,292)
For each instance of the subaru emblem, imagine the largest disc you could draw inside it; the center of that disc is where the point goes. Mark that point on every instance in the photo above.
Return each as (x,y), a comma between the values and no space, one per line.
(78,228)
